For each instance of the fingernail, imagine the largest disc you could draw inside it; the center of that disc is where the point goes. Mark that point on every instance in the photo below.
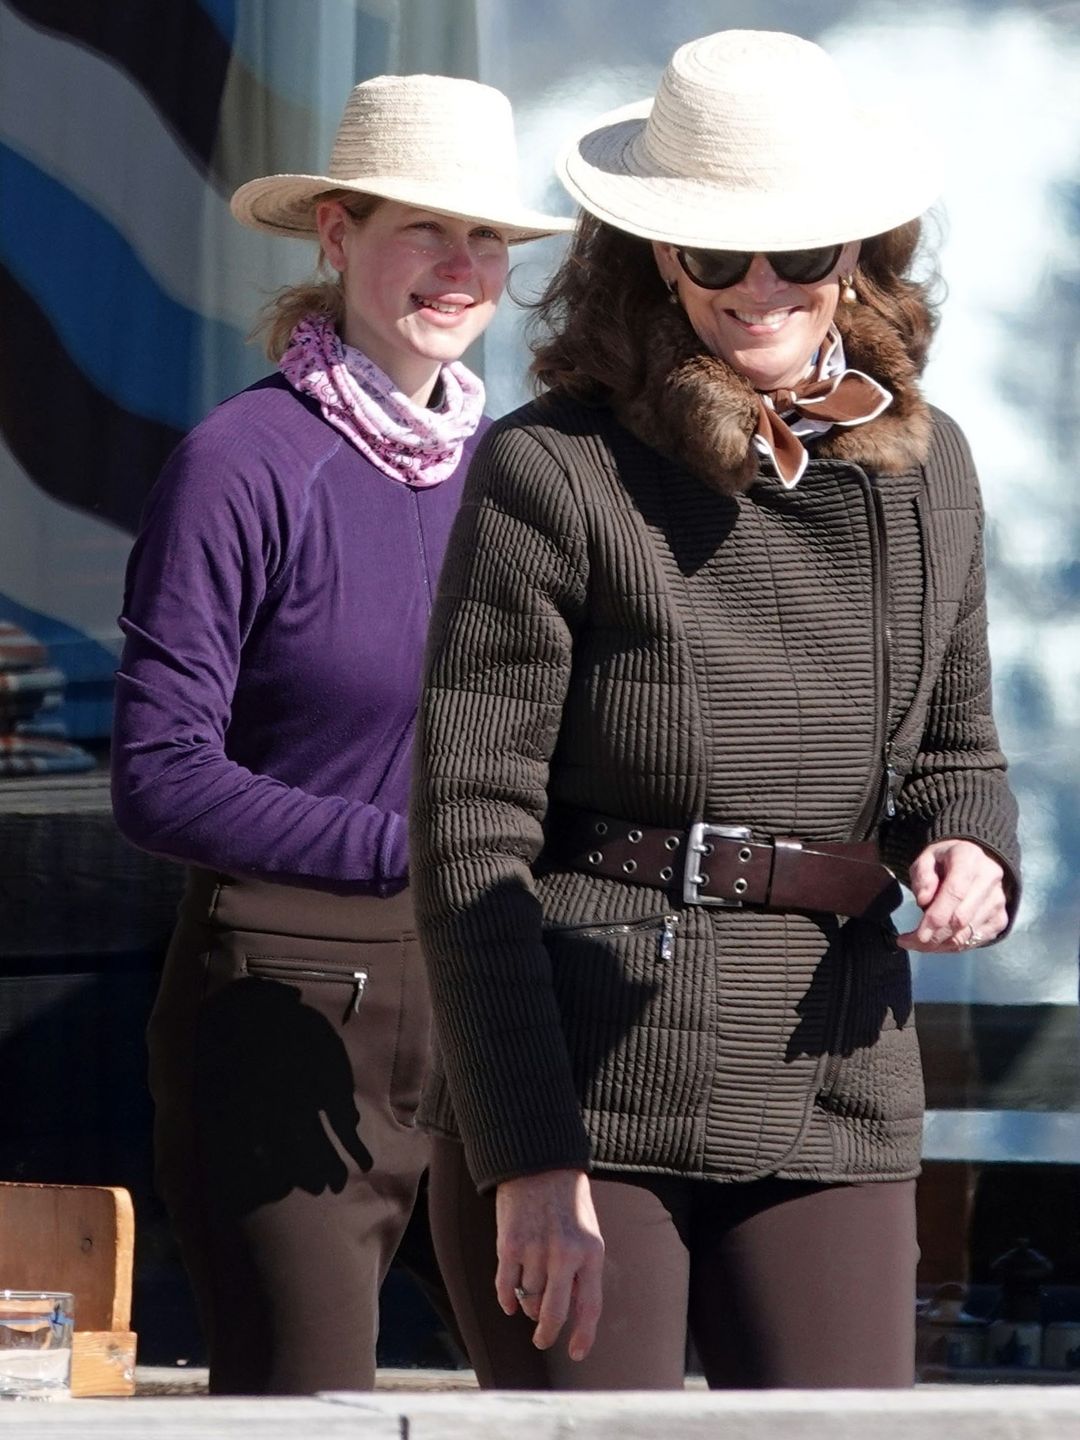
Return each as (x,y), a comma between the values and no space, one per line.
(576,1352)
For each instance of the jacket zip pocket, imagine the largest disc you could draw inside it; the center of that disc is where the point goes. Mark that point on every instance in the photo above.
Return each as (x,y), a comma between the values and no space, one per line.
(270,967)
(665,925)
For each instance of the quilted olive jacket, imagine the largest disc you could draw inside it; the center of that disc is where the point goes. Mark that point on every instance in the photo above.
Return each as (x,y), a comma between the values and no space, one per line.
(633,619)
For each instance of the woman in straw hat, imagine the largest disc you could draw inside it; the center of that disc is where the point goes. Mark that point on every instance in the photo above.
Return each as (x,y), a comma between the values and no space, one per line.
(708,669)
(275,614)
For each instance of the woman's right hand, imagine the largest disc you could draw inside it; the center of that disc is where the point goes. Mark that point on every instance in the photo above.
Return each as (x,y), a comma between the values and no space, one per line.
(550,1256)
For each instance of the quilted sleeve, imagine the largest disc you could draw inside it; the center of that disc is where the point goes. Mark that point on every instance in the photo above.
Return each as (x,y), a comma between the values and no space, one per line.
(957,787)
(499,658)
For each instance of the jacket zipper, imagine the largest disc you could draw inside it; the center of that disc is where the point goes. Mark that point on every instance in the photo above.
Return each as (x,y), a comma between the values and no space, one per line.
(270,968)
(896,750)
(900,754)
(885,780)
(665,924)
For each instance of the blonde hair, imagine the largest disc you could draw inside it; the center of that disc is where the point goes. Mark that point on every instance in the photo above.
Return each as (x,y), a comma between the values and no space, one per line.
(321,294)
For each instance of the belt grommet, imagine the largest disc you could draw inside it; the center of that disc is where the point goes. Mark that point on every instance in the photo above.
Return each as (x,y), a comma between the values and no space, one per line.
(634,836)
(745,854)
(671,843)
(600,827)
(629,866)
(740,886)
(666,873)
(595,856)
(701,881)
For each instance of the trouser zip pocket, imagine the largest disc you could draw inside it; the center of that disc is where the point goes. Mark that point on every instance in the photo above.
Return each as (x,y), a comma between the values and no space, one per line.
(270,967)
(664,925)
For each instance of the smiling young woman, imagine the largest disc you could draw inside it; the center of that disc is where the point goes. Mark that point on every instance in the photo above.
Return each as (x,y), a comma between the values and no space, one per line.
(275,614)
(417,288)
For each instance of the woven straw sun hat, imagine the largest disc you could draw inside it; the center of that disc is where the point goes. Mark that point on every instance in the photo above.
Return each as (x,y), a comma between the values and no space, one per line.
(438,143)
(753,142)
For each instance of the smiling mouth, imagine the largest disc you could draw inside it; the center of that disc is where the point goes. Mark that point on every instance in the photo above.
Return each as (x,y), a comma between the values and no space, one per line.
(763,320)
(441,307)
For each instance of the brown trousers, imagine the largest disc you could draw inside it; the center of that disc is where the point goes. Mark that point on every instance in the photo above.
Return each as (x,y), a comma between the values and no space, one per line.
(288,1046)
(777,1284)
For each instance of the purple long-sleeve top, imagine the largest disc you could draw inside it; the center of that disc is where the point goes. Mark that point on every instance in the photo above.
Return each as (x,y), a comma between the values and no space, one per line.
(275,613)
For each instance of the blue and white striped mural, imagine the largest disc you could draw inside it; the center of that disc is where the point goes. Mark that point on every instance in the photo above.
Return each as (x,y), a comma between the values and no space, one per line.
(126,289)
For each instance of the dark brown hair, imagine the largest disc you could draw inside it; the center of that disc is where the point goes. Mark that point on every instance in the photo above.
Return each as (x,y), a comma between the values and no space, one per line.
(588,333)
(322,294)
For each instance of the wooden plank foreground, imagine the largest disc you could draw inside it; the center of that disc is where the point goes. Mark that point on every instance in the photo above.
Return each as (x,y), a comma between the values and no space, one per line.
(1007,1413)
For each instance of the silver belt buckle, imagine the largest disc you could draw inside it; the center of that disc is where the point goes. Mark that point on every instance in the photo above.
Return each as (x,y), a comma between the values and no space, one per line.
(697,844)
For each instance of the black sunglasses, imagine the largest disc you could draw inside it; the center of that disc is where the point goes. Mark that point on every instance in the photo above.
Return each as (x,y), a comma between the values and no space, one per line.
(717,269)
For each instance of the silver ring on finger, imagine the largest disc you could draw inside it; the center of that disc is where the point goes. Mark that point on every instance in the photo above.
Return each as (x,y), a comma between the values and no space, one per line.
(520,1293)
(974,938)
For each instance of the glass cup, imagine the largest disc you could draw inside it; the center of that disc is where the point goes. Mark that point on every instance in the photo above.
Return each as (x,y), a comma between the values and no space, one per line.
(35,1344)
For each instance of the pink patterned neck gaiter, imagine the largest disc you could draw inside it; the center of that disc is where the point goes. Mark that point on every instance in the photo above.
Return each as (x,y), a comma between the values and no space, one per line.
(408,442)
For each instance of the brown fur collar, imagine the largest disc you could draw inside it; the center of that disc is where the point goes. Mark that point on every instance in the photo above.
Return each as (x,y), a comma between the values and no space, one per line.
(697,410)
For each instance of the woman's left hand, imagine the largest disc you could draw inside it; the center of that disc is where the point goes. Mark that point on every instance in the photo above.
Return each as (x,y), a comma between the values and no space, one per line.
(961,889)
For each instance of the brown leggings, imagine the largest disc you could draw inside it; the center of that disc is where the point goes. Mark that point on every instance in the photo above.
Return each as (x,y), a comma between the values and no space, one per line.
(288,1047)
(777,1283)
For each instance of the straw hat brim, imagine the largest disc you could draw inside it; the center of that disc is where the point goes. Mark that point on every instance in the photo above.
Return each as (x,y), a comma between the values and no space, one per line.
(876,178)
(284,205)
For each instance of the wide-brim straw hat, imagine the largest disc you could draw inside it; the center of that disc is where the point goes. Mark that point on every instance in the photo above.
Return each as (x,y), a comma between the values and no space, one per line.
(438,143)
(753,142)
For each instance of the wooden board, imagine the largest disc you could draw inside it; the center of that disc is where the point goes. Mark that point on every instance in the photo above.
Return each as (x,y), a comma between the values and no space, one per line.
(79,1238)
(1012,1414)
(196,1420)
(71,1237)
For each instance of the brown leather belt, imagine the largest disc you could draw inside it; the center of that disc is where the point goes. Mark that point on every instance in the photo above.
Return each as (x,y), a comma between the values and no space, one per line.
(721,865)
